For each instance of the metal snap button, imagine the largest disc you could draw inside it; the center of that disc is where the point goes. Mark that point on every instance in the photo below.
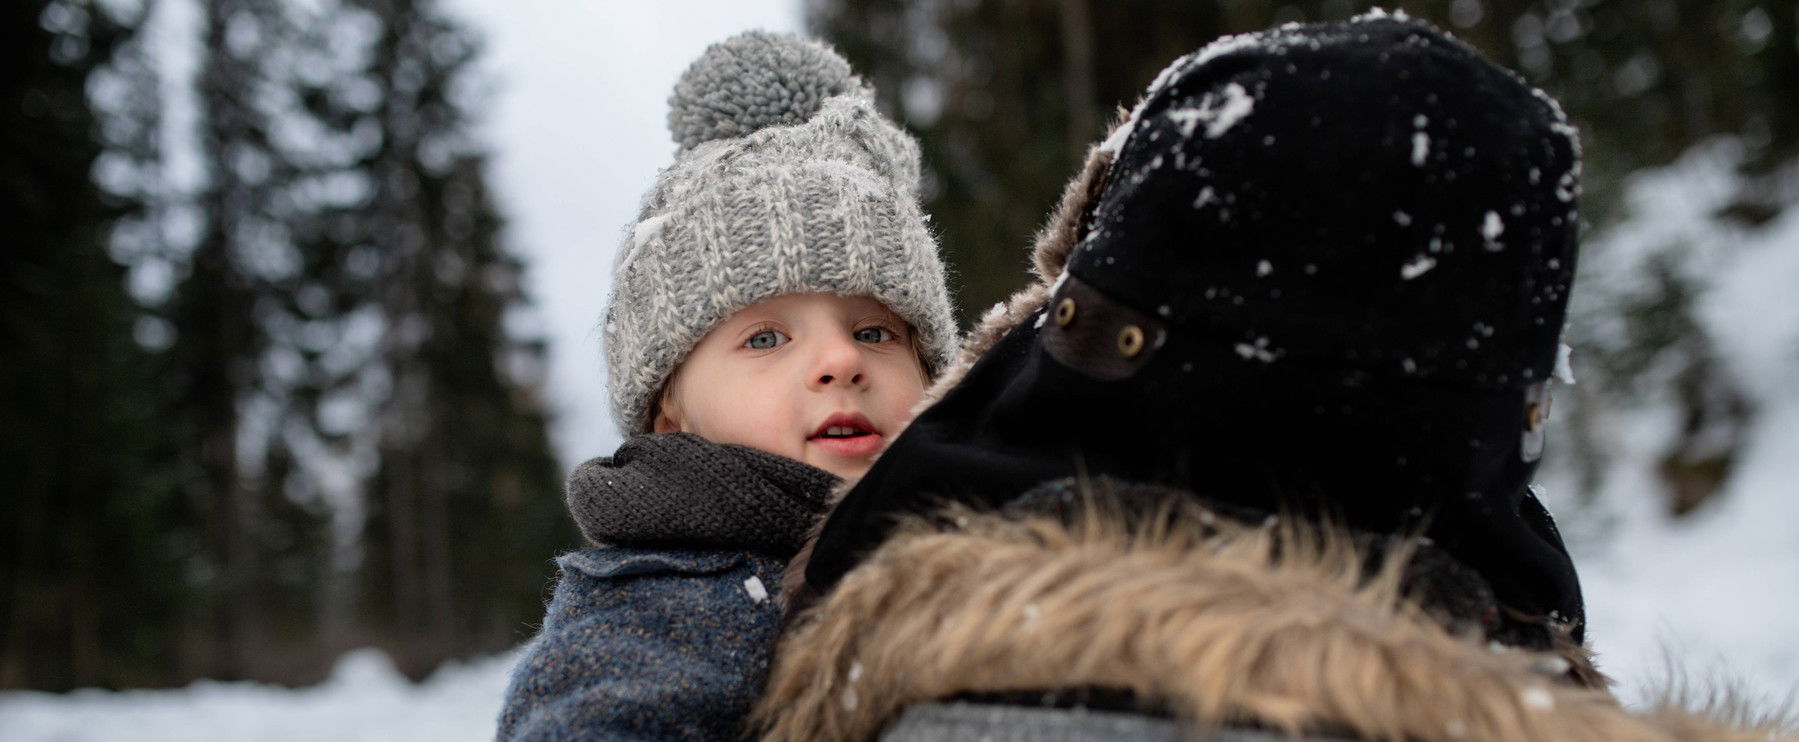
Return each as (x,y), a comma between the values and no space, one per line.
(1130,341)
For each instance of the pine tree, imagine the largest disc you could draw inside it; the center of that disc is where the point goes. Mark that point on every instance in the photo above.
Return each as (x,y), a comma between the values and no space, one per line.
(464,507)
(234,362)
(89,589)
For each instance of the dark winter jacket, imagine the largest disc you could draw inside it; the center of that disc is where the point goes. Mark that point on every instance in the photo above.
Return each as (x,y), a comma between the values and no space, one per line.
(663,630)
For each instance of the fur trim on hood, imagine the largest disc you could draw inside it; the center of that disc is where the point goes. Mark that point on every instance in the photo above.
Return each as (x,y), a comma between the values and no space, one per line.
(1065,228)
(1223,624)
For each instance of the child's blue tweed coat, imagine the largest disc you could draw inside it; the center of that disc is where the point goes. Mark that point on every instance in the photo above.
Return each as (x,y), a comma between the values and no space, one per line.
(643,644)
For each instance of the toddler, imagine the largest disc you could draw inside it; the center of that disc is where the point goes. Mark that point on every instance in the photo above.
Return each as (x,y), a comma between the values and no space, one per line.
(777,311)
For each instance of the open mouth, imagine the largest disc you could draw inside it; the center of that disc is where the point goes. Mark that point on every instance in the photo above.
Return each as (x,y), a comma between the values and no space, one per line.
(847,434)
(845,425)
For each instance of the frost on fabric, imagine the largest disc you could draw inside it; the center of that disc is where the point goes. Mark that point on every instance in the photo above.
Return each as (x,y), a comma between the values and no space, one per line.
(1568,186)
(1417,267)
(1115,142)
(1219,47)
(1375,14)
(758,592)
(1206,196)
(1535,492)
(1551,665)
(641,234)
(1420,140)
(850,699)
(994,312)
(1219,111)
(1257,351)
(1490,230)
(1564,364)
(1559,124)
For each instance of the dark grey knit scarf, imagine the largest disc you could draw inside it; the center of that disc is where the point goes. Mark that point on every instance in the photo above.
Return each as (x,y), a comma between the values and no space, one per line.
(680,490)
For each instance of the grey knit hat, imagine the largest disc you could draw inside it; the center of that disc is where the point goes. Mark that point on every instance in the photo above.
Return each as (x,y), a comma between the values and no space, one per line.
(786,180)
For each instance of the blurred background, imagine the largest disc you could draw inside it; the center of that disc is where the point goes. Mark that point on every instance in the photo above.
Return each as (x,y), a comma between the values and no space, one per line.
(299,299)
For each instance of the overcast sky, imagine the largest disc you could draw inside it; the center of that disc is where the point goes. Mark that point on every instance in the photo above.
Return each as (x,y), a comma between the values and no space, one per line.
(578,132)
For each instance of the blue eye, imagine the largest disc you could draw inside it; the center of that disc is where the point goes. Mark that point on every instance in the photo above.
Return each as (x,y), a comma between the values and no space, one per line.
(765,340)
(874,335)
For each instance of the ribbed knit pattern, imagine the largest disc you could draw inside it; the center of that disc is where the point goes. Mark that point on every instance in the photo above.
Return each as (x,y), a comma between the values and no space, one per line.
(679,490)
(822,198)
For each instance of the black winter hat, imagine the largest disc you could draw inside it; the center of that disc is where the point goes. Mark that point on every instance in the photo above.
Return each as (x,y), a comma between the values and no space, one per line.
(1327,271)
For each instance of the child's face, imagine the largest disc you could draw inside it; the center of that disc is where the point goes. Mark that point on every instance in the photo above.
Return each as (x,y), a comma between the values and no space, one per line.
(820,378)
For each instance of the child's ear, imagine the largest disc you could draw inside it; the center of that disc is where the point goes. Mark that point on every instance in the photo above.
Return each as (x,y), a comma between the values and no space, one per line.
(666,417)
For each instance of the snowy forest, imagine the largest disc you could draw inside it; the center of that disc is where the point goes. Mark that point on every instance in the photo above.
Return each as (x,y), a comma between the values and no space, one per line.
(277,388)
(265,403)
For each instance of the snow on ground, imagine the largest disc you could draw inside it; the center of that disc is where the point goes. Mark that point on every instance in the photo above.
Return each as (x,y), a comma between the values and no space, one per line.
(1716,593)
(364,699)
(1711,601)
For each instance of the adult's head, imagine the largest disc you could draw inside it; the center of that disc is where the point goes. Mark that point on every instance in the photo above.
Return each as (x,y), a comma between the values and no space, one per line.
(1321,268)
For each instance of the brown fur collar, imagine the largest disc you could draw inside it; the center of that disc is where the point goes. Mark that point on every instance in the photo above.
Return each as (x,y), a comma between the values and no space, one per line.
(1224,623)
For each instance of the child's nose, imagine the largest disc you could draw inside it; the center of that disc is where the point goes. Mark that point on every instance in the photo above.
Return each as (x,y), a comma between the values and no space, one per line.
(839,362)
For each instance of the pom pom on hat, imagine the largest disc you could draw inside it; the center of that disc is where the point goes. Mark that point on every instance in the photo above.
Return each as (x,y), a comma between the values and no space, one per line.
(753,80)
